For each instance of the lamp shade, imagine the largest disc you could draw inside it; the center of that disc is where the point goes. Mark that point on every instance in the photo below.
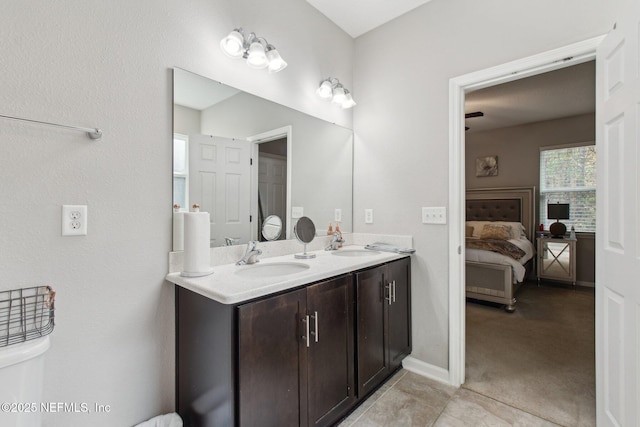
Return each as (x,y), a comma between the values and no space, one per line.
(275,61)
(348,100)
(233,44)
(338,95)
(325,90)
(257,57)
(558,211)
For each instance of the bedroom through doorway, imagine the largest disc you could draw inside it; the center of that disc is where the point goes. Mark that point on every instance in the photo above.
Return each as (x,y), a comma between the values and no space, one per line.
(541,356)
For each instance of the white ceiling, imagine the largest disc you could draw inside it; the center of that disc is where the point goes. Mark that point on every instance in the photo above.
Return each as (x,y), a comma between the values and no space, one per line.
(562,93)
(356,17)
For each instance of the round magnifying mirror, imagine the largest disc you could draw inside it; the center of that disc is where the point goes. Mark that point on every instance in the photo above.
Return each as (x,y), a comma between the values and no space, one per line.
(272,227)
(304,231)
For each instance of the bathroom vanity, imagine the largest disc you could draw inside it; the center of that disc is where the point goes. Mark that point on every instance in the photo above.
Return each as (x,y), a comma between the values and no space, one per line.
(304,348)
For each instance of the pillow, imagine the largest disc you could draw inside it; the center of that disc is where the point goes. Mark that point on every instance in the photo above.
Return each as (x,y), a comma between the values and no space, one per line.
(496,231)
(517,229)
(468,231)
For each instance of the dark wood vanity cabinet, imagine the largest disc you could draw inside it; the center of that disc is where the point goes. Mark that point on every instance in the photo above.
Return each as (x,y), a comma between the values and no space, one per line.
(271,356)
(383,307)
(399,309)
(296,356)
(291,359)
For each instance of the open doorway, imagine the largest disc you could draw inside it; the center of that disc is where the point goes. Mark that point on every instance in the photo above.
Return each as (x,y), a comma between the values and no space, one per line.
(459,87)
(271,179)
(522,358)
(272,182)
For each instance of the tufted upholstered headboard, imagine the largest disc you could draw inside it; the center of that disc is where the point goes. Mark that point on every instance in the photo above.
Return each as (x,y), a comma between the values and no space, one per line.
(502,204)
(494,210)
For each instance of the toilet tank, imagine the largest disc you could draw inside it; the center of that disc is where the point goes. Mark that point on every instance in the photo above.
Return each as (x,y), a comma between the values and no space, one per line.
(21,379)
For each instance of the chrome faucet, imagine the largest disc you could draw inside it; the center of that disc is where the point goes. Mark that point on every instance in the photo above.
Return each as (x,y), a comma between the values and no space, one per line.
(335,242)
(251,256)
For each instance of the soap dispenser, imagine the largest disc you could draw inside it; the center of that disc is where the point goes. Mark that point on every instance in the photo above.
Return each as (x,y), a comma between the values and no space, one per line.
(330,230)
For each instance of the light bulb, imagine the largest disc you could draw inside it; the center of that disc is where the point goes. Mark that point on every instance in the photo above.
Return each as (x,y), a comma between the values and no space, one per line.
(233,44)
(257,57)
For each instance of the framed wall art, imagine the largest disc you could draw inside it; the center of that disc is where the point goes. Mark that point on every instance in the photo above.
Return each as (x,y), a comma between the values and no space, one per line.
(487,166)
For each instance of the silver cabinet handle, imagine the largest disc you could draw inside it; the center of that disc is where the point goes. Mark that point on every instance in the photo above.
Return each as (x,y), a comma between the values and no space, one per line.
(306,325)
(394,291)
(315,332)
(390,298)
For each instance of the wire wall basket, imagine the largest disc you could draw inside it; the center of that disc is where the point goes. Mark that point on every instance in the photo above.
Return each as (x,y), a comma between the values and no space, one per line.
(26,314)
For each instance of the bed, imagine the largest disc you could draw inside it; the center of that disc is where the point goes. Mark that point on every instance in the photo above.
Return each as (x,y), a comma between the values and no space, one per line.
(495,269)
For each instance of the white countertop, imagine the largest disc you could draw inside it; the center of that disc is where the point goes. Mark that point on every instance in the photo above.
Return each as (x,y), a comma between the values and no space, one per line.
(226,286)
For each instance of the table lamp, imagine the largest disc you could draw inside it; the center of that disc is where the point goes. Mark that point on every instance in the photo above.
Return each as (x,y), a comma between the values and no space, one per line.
(558,211)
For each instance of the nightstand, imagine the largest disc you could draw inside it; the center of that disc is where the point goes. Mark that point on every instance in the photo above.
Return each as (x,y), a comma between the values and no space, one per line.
(557,259)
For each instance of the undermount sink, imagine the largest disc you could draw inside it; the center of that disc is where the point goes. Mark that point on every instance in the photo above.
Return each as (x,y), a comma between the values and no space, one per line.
(355,252)
(272,269)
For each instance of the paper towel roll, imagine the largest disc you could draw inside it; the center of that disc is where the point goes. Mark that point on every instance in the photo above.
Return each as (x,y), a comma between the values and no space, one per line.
(197,259)
(178,231)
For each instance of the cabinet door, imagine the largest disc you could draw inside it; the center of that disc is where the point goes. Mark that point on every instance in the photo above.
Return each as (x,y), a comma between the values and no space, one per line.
(556,259)
(330,362)
(399,276)
(371,329)
(271,384)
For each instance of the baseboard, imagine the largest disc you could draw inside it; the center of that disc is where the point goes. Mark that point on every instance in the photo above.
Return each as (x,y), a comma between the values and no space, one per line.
(586,284)
(426,370)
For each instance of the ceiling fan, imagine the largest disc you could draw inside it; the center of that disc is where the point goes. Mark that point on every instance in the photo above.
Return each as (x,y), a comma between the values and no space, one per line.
(472,115)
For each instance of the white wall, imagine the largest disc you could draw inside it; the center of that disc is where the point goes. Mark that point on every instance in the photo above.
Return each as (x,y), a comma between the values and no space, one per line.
(322,153)
(518,149)
(402,72)
(107,64)
(186,121)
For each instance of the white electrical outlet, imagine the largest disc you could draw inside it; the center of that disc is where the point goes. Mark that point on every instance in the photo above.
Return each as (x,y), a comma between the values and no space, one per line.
(74,220)
(368,216)
(337,215)
(434,215)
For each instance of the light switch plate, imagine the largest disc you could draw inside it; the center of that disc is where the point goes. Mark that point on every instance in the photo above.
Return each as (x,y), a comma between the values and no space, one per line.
(434,215)
(337,215)
(297,211)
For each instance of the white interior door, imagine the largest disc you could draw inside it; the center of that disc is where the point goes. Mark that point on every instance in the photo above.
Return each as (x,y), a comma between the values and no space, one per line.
(220,181)
(618,224)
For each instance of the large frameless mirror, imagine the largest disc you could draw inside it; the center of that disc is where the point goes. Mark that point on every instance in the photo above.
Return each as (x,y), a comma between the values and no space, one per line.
(242,158)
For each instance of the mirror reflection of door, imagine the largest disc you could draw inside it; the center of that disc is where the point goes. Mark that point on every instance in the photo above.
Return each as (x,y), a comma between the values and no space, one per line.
(272,181)
(220,182)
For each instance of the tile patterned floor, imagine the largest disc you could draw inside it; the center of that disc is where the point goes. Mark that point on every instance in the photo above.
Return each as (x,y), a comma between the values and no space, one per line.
(408,399)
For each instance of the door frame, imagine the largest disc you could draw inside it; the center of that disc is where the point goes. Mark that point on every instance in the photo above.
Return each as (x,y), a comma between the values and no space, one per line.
(544,62)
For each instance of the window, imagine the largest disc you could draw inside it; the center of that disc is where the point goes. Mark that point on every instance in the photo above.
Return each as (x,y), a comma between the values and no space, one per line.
(181,171)
(568,175)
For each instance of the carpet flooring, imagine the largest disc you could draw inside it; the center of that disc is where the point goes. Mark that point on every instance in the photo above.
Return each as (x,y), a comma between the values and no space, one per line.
(541,358)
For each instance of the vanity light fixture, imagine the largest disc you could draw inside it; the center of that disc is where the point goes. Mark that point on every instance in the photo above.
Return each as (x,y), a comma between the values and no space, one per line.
(331,88)
(255,50)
